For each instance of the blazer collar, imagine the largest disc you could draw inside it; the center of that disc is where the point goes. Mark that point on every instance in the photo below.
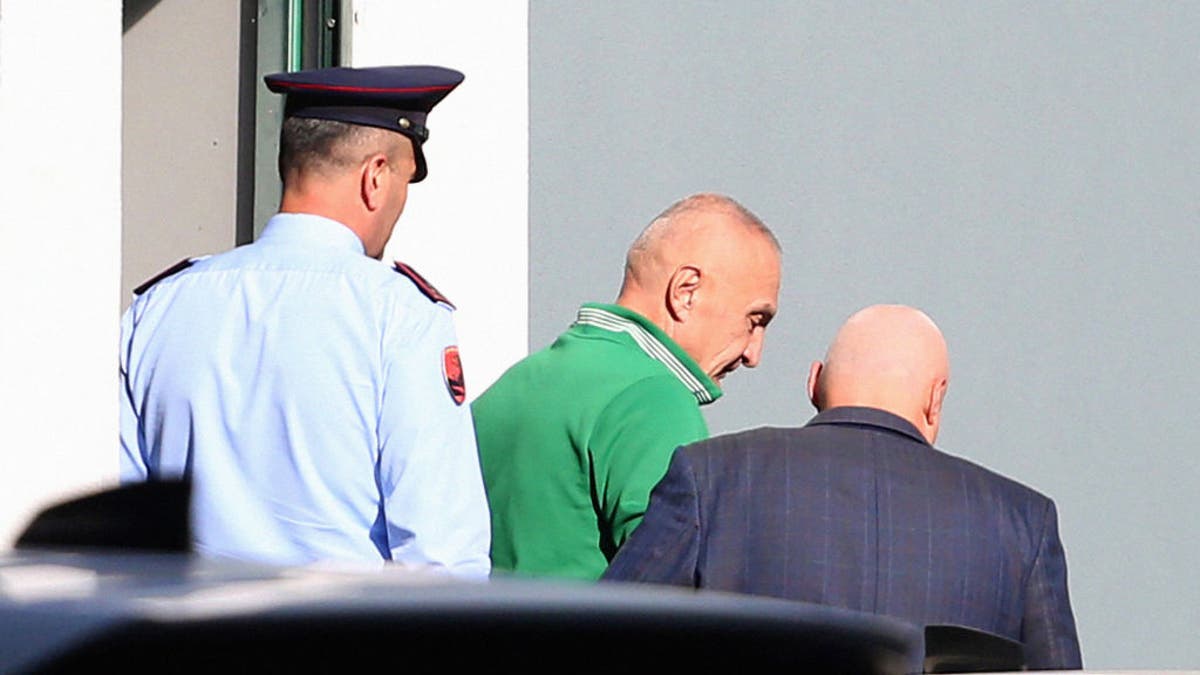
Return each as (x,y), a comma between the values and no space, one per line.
(871,417)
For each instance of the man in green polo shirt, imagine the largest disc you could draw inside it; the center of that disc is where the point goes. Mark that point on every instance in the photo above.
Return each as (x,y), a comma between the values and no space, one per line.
(573,437)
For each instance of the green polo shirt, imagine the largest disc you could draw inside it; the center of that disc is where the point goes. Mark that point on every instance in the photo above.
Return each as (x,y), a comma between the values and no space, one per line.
(573,438)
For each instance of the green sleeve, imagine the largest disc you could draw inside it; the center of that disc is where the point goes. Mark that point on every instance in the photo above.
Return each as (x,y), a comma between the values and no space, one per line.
(631,446)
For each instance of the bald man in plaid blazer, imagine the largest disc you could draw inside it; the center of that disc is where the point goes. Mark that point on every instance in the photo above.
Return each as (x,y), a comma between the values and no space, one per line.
(858,510)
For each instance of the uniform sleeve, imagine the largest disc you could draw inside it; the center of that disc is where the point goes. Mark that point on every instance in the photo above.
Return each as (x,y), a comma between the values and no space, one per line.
(632,445)
(132,461)
(429,478)
(665,547)
(1048,627)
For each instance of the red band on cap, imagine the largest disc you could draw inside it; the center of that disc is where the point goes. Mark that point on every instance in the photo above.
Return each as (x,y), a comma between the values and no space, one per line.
(364,90)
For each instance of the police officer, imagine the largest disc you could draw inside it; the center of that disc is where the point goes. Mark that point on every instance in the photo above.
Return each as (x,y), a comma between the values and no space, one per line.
(313,395)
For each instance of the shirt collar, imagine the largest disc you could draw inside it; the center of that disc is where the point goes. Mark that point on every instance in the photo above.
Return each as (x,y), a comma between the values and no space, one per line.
(307,227)
(654,343)
(872,417)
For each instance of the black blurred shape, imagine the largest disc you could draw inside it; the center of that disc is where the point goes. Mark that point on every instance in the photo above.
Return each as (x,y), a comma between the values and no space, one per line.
(150,516)
(525,638)
(959,649)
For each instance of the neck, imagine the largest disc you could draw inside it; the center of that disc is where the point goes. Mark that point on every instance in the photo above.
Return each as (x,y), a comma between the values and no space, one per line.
(636,300)
(324,201)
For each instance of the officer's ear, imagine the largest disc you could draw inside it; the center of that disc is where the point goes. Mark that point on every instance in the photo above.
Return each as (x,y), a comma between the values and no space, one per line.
(683,289)
(373,178)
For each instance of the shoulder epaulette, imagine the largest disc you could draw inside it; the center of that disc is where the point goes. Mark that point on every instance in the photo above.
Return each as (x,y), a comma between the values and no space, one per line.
(173,269)
(422,285)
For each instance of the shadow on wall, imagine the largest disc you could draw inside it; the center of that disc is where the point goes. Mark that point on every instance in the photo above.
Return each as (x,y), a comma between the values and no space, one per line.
(132,11)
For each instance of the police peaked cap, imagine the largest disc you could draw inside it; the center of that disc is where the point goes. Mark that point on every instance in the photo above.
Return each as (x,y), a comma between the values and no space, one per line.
(398,98)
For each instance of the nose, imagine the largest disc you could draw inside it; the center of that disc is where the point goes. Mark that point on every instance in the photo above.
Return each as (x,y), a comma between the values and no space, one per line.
(754,348)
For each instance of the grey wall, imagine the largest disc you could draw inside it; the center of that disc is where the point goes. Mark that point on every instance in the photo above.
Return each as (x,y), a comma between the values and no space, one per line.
(1027,173)
(180,118)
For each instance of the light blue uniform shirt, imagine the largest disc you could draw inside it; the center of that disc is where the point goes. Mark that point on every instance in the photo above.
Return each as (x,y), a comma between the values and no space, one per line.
(302,387)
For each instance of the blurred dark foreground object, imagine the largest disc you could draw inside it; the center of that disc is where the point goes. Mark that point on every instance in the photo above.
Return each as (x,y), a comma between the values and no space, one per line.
(171,613)
(959,649)
(150,516)
(108,582)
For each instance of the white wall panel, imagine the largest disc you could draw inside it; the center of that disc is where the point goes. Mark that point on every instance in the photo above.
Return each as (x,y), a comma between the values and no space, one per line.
(465,227)
(60,251)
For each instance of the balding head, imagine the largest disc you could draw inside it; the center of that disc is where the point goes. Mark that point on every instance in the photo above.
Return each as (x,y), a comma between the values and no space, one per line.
(889,357)
(701,221)
(706,271)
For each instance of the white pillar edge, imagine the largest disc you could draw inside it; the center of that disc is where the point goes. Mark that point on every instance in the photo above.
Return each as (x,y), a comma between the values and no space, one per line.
(60,252)
(466,226)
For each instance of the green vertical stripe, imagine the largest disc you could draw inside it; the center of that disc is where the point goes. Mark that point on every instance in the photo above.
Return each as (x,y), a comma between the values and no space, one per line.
(295,38)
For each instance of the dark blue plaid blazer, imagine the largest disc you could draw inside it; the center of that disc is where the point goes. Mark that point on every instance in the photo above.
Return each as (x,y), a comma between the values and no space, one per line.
(857,510)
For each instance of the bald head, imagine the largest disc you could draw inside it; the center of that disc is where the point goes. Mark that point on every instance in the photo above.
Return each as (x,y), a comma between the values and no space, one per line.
(889,357)
(706,271)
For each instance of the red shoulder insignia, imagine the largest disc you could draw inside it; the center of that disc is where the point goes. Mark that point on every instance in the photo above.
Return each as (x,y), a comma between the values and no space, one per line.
(453,372)
(424,286)
(173,269)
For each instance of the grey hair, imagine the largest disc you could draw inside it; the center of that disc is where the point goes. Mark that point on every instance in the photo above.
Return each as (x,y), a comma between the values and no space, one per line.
(647,242)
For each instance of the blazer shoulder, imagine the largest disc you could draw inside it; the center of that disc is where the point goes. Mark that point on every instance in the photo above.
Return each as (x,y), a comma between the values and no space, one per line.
(1016,490)
(739,447)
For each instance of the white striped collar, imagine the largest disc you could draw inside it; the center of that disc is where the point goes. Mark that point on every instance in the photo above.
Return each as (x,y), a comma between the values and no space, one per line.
(654,343)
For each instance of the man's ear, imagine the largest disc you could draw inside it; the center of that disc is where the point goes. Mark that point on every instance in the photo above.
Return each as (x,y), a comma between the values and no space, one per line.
(682,289)
(814,384)
(373,179)
(933,409)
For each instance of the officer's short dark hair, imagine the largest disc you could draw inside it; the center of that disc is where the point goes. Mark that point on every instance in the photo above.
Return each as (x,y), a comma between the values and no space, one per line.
(309,145)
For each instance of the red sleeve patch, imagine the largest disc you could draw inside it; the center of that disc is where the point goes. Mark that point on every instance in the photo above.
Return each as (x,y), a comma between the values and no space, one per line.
(453,372)
(422,285)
